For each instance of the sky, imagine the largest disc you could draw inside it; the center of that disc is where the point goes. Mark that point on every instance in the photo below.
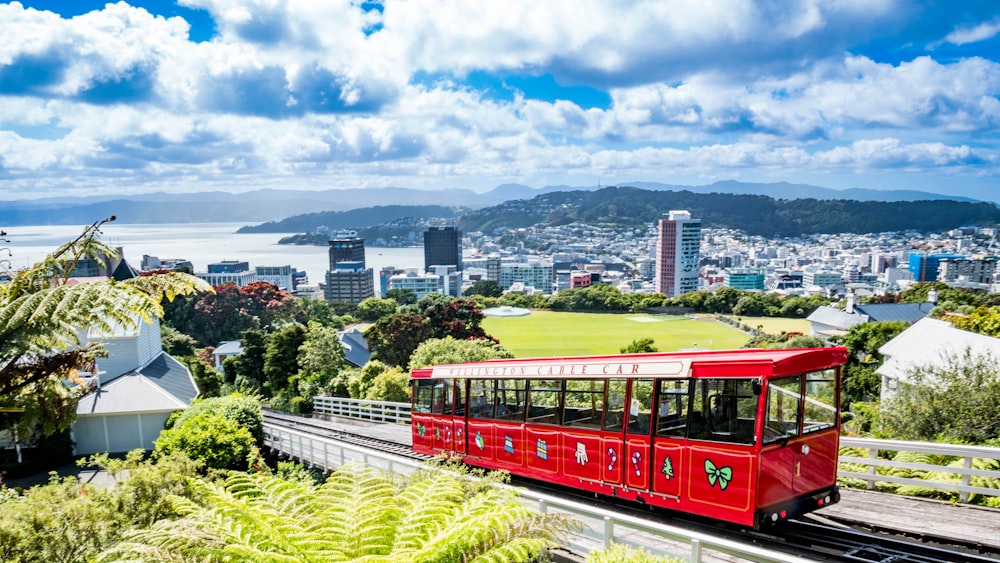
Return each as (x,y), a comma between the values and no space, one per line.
(235,95)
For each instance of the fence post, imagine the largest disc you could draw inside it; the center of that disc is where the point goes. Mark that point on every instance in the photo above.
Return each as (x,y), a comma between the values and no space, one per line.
(609,531)
(873,455)
(695,551)
(964,496)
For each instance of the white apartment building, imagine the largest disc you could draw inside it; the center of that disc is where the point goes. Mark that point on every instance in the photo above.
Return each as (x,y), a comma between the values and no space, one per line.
(539,275)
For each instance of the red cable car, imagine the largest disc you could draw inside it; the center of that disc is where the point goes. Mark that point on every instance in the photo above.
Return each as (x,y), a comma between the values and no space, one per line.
(745,436)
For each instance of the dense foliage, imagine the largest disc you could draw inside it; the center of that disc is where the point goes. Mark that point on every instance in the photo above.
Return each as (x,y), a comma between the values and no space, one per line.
(448,350)
(231,310)
(70,521)
(220,433)
(394,338)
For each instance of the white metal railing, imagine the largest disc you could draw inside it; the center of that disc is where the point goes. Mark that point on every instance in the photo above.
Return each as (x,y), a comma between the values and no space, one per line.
(381,411)
(400,413)
(600,527)
(967,453)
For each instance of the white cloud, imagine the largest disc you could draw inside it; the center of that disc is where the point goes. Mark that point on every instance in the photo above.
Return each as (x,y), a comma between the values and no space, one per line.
(302,93)
(981,32)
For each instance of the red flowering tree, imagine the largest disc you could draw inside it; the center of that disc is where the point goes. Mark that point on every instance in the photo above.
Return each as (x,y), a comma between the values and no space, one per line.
(394,338)
(225,314)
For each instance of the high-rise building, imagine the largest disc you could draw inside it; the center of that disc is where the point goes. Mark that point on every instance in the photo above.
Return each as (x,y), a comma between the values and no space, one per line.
(347,280)
(537,274)
(677,242)
(346,247)
(745,279)
(442,247)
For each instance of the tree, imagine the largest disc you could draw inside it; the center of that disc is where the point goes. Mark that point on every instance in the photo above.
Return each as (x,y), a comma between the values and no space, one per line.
(231,310)
(448,350)
(458,317)
(41,314)
(485,288)
(862,341)
(390,385)
(394,338)
(373,309)
(954,400)
(175,342)
(639,346)
(281,359)
(246,371)
(321,360)
(984,320)
(322,312)
(361,380)
(435,516)
(403,296)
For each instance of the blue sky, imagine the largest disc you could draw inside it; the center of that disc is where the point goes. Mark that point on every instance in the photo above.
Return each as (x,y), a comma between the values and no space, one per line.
(236,95)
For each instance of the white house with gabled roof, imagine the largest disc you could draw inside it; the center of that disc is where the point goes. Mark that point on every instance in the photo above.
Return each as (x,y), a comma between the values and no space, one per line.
(928,342)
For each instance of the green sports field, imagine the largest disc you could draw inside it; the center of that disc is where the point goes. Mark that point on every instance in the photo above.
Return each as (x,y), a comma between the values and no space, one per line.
(550,333)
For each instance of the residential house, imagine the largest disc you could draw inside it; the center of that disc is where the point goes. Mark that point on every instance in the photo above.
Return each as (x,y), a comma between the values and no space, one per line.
(133,392)
(928,342)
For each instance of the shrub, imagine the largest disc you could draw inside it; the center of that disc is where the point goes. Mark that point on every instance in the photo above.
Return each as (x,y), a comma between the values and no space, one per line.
(242,409)
(390,385)
(213,439)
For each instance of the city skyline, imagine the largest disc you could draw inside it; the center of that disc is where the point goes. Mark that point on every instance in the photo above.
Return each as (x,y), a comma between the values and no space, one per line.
(160,96)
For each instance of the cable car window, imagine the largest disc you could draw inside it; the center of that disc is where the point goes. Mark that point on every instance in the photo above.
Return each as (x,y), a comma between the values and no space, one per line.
(510,400)
(783,409)
(443,392)
(459,398)
(614,406)
(724,410)
(543,401)
(422,395)
(584,403)
(672,407)
(640,404)
(820,401)
(481,393)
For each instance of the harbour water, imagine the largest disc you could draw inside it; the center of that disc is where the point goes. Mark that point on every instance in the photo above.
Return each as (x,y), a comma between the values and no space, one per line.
(200,243)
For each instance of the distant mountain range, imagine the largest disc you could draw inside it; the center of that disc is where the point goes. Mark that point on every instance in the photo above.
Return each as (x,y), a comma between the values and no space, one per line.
(276,205)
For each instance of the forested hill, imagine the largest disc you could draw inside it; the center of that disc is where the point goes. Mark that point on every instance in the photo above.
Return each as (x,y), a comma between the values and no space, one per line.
(355,219)
(754,214)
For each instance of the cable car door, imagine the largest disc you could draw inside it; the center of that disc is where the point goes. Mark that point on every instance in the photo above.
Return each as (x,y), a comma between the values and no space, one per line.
(458,421)
(637,434)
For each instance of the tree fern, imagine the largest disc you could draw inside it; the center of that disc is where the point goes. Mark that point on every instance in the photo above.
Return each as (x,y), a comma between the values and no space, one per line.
(357,515)
(42,314)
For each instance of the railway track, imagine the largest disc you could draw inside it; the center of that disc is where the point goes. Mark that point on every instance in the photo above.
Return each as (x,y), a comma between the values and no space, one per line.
(810,537)
(318,428)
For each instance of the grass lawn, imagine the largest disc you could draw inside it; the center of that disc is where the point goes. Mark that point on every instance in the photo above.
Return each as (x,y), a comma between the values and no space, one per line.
(551,333)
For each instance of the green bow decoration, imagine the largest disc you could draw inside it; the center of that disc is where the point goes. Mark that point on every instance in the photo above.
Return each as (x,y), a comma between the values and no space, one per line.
(721,474)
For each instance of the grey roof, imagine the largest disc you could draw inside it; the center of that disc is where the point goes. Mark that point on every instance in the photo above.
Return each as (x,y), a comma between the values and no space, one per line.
(906,312)
(162,385)
(229,348)
(355,346)
(833,317)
